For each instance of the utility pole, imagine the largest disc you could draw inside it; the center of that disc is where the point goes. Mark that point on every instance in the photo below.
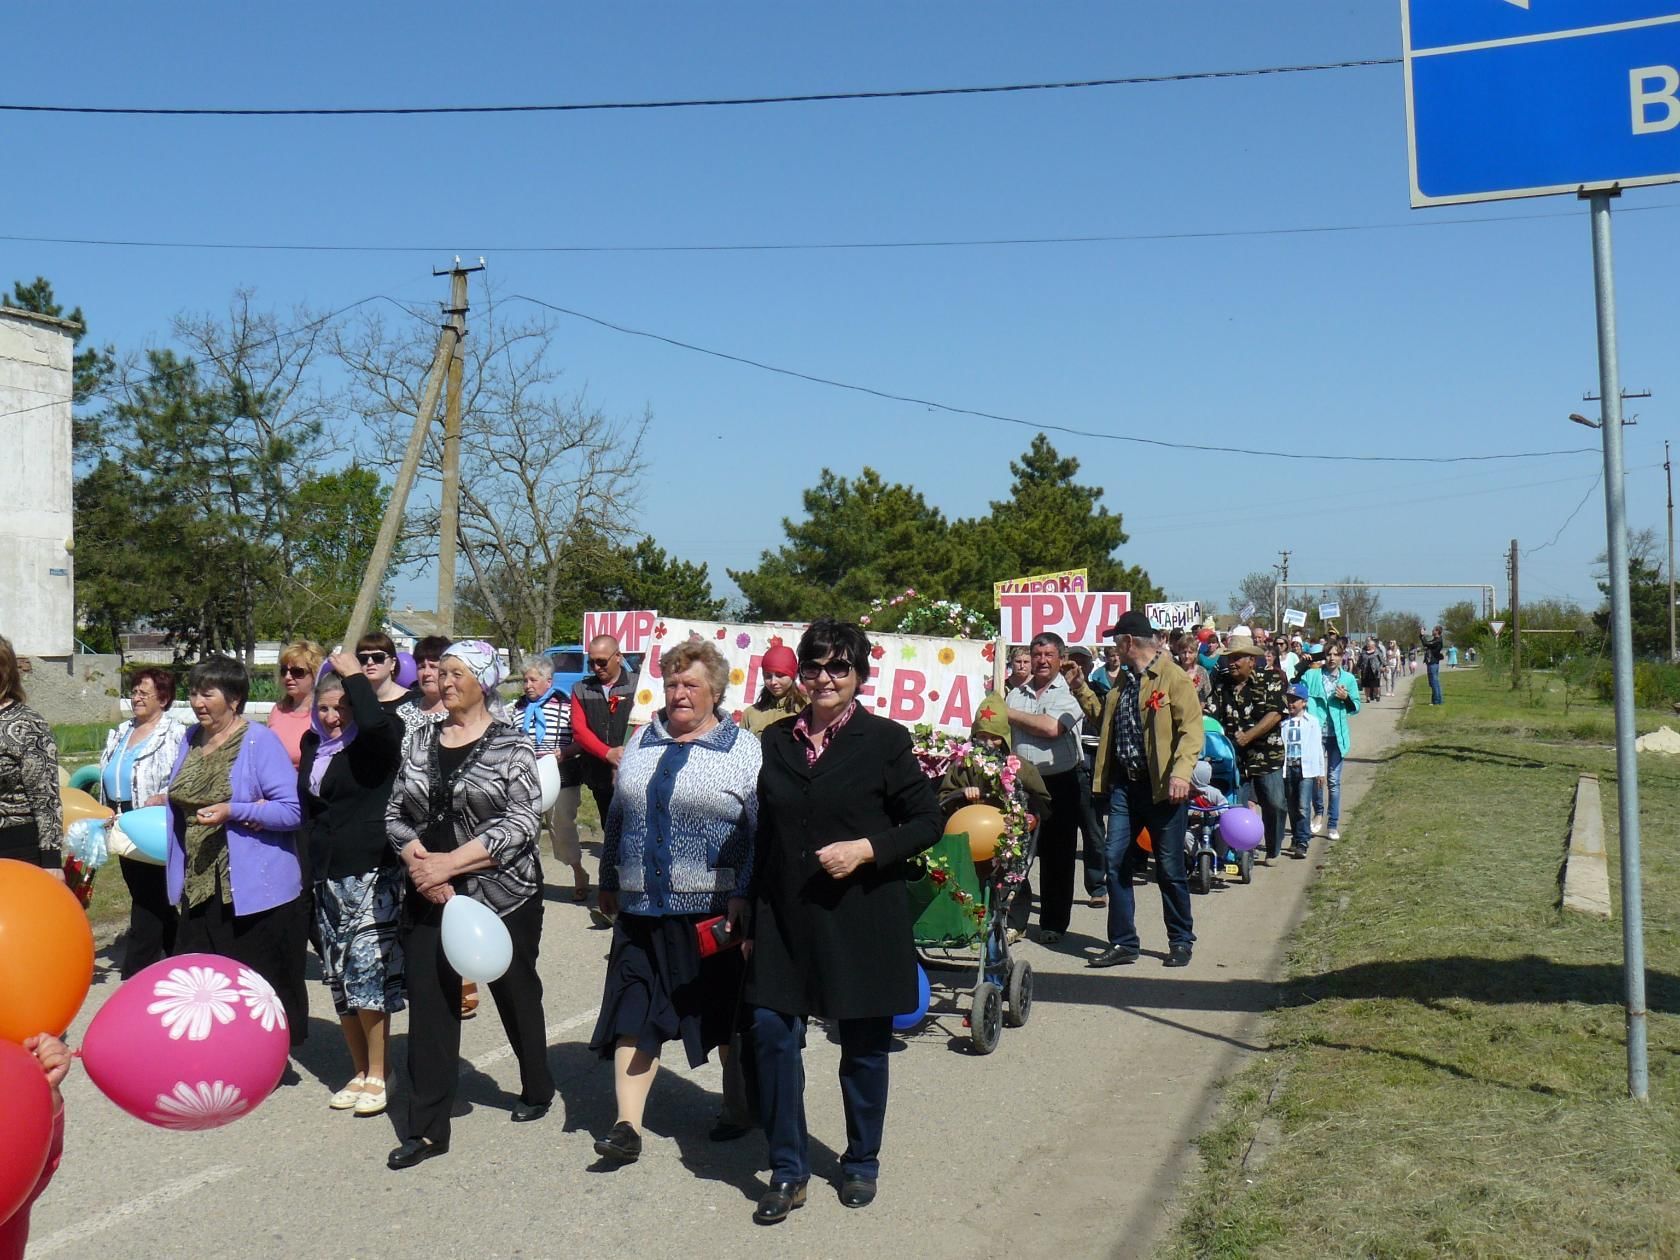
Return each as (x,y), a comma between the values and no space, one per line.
(448,338)
(1277,623)
(1668,476)
(1516,621)
(449,505)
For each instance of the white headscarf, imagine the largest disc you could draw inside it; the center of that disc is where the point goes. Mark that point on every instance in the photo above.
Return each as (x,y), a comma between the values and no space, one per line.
(481,659)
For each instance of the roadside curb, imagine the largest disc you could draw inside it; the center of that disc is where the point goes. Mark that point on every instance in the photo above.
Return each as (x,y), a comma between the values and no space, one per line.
(1586,870)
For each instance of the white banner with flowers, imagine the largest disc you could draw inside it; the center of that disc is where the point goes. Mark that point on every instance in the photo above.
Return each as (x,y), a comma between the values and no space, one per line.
(914,680)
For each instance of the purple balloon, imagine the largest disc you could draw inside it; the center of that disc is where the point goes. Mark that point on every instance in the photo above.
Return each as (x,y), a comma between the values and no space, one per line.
(1241,829)
(408,673)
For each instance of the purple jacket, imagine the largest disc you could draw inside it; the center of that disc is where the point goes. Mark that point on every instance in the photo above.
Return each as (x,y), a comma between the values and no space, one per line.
(263,865)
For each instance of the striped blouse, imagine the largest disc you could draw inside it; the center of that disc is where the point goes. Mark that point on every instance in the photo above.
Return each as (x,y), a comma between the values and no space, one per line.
(492,798)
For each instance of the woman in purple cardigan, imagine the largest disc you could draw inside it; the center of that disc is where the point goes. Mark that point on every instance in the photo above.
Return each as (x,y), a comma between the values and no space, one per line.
(233,866)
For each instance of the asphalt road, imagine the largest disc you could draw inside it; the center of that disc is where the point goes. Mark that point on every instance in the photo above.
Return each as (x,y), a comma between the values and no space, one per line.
(1070,1140)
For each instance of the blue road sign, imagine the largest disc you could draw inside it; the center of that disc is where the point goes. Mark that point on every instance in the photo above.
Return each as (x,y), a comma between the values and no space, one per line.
(1521,98)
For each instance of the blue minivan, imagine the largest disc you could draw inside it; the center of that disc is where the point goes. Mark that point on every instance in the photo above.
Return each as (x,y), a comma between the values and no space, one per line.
(571,665)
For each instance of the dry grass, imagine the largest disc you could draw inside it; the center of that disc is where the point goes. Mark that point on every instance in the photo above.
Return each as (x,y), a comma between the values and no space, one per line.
(1450,1046)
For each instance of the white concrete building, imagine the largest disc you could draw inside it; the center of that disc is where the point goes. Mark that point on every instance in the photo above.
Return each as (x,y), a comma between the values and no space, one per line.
(37,579)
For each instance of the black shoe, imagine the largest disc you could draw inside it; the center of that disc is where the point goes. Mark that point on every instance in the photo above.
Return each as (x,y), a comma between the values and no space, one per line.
(622,1145)
(524,1112)
(1299,851)
(726,1130)
(1114,956)
(781,1198)
(1179,957)
(414,1151)
(856,1192)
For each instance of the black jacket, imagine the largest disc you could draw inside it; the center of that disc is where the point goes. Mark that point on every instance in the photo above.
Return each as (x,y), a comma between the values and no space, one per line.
(345,824)
(1432,649)
(838,948)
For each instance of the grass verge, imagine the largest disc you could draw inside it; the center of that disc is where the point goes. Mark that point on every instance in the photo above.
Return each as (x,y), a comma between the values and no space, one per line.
(1448,1073)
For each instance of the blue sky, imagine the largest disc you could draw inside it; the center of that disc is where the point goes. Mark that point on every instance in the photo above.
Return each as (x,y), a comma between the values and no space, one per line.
(1431,337)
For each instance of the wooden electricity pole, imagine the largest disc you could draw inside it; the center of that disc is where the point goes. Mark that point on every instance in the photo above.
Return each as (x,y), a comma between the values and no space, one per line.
(449,506)
(1516,621)
(449,337)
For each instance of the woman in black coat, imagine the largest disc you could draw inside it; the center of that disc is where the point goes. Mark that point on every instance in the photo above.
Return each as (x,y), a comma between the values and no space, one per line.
(843,804)
(349,759)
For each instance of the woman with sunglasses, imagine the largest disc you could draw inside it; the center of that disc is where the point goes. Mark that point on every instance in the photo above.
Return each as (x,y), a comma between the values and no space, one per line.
(377,656)
(300,661)
(843,805)
(134,770)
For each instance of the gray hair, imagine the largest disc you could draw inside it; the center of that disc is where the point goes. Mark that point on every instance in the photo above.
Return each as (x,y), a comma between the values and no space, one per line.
(542,664)
(700,652)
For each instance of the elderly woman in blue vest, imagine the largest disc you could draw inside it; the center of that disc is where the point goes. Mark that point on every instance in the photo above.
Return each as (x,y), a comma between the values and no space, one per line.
(134,770)
(678,853)
(233,868)
(1332,698)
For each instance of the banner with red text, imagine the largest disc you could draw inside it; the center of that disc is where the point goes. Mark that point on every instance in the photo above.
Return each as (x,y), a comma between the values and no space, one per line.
(633,630)
(1079,617)
(914,679)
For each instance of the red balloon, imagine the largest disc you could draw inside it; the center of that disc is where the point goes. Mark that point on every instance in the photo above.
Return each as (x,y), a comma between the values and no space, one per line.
(26,1137)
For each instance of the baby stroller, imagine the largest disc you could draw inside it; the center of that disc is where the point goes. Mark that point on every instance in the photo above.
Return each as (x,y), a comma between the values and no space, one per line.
(1206,857)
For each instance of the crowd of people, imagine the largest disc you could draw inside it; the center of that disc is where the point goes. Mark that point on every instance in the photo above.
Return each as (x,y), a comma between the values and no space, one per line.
(752,872)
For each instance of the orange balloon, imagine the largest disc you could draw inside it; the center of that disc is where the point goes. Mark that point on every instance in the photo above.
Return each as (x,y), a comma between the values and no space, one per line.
(1145,842)
(79,805)
(984,826)
(46,952)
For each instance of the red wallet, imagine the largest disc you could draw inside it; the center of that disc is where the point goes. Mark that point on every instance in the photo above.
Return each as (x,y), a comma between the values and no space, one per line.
(715,936)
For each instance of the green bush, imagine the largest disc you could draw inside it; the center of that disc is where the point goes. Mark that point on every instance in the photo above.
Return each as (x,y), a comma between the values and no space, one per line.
(1655,685)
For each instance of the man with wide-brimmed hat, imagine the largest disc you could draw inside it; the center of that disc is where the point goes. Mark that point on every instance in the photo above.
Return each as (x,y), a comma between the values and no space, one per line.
(1146,755)
(1250,703)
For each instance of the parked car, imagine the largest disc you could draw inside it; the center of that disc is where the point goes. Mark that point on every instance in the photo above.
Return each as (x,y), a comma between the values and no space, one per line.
(571,664)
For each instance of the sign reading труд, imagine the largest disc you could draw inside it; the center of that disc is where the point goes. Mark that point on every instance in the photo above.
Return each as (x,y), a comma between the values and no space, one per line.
(1520,98)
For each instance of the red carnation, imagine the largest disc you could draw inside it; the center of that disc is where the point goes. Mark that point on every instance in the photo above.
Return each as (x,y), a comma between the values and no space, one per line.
(877,651)
(1155,701)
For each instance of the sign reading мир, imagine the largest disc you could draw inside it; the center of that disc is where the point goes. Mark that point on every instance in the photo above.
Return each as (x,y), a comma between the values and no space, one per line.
(633,630)
(1077,618)
(1523,98)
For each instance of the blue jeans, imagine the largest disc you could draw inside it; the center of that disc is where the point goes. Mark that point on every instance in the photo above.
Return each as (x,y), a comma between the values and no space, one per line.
(779,1042)
(1298,792)
(1132,808)
(1267,789)
(1434,668)
(1332,777)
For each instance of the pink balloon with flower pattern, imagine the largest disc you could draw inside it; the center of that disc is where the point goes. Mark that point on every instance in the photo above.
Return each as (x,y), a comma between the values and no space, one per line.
(192,1042)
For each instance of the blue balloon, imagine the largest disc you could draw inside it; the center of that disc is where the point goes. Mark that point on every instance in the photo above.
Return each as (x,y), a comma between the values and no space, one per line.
(911,1020)
(148,830)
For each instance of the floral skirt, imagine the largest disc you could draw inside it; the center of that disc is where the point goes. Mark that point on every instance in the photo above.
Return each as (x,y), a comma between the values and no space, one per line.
(361,958)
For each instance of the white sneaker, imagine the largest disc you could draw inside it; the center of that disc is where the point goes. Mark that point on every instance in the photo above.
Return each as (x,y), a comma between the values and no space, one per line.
(1334,834)
(1318,824)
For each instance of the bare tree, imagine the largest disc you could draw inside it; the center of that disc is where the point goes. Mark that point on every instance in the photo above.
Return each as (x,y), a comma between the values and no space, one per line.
(1256,589)
(548,480)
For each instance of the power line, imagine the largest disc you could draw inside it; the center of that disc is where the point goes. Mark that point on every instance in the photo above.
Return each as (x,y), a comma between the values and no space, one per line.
(1576,511)
(934,405)
(366,111)
(816,246)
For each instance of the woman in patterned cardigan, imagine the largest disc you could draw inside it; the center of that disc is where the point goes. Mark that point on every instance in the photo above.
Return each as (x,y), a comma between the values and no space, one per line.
(30,811)
(463,818)
(678,852)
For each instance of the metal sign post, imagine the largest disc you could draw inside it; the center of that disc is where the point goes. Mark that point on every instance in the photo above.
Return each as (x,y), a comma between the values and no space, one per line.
(1513,98)
(1621,640)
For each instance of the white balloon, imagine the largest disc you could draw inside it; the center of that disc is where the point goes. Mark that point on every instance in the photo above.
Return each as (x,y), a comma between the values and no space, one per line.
(548,779)
(475,940)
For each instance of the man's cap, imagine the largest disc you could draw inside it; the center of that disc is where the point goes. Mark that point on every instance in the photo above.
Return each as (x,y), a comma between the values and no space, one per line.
(1082,650)
(1133,623)
(1299,691)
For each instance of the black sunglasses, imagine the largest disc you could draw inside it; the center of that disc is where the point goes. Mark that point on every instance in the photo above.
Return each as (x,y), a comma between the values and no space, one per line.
(297,671)
(600,663)
(834,669)
(372,658)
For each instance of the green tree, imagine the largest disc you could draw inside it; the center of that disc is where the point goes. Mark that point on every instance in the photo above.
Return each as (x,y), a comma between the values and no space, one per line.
(121,579)
(1647,595)
(334,518)
(860,539)
(1049,522)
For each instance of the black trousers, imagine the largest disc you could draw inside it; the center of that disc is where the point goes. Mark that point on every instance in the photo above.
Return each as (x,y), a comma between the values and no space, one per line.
(1057,849)
(1093,816)
(152,921)
(779,1044)
(434,1016)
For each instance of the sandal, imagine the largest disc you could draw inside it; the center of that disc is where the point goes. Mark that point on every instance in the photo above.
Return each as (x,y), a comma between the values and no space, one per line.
(373,1099)
(469,1000)
(350,1095)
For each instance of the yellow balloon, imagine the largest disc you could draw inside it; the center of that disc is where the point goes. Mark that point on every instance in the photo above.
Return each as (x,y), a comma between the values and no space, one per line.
(984,825)
(78,805)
